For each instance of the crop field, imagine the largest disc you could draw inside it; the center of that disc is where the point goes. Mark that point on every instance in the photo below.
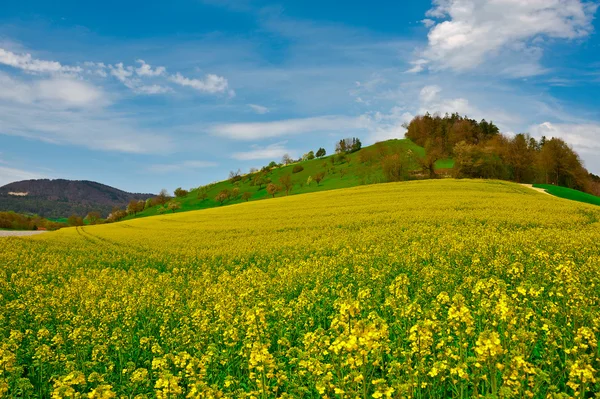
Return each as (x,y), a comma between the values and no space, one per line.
(422,289)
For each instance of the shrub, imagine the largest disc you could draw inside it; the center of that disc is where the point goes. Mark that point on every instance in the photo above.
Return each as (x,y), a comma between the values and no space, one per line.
(298,169)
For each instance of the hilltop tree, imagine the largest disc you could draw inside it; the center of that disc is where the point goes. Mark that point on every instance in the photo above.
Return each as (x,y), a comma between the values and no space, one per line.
(286,183)
(286,159)
(180,192)
(235,176)
(163,197)
(272,189)
(321,152)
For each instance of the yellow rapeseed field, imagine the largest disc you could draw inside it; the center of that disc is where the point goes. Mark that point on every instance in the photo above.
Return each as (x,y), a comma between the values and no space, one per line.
(431,289)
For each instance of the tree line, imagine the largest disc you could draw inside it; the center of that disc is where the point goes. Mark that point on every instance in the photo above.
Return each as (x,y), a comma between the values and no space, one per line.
(480,150)
(17,221)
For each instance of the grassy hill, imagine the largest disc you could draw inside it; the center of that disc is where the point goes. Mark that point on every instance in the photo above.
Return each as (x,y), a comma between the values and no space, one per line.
(474,287)
(339,175)
(568,193)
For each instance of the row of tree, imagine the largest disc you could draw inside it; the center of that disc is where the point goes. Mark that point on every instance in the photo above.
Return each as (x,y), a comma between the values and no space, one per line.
(17,221)
(481,151)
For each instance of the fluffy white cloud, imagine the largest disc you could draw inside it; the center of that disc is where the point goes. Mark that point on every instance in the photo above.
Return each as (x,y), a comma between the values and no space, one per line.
(146,70)
(262,130)
(27,63)
(475,30)
(210,84)
(259,109)
(270,152)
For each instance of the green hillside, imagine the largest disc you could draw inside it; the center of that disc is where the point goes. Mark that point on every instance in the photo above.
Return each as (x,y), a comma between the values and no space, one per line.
(350,173)
(568,193)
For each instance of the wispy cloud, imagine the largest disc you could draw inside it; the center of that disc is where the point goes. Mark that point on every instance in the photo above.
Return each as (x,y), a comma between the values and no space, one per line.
(259,109)
(9,175)
(181,166)
(271,152)
(262,130)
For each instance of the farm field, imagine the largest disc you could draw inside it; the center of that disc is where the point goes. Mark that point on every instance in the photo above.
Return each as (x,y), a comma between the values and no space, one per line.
(437,288)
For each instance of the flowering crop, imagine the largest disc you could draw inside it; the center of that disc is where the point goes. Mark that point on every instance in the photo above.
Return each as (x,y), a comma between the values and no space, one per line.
(410,290)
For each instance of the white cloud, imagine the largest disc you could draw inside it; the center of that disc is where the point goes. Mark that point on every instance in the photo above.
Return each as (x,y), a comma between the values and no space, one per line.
(262,130)
(122,73)
(259,109)
(210,84)
(146,70)
(9,175)
(70,92)
(270,152)
(55,92)
(477,30)
(182,166)
(27,63)
(153,89)
(92,128)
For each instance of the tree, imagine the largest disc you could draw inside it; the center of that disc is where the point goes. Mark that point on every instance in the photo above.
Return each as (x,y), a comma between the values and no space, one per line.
(297,169)
(321,152)
(260,180)
(273,164)
(319,177)
(286,159)
(309,180)
(235,192)
(75,220)
(235,176)
(308,156)
(246,196)
(163,197)
(221,198)
(343,172)
(202,193)
(395,167)
(93,217)
(173,206)
(180,192)
(132,207)
(272,189)
(286,183)
(521,157)
(560,165)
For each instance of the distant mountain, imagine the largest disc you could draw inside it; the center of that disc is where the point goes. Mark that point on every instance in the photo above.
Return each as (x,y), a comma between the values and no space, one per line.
(61,198)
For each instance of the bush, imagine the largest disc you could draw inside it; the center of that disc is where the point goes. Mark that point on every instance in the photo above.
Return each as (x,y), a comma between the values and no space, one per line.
(298,169)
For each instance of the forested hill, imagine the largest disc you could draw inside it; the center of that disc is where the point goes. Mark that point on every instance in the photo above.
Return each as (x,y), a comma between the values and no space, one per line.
(60,198)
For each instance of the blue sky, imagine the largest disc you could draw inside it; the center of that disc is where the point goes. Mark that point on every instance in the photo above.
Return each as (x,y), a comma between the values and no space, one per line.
(150,95)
